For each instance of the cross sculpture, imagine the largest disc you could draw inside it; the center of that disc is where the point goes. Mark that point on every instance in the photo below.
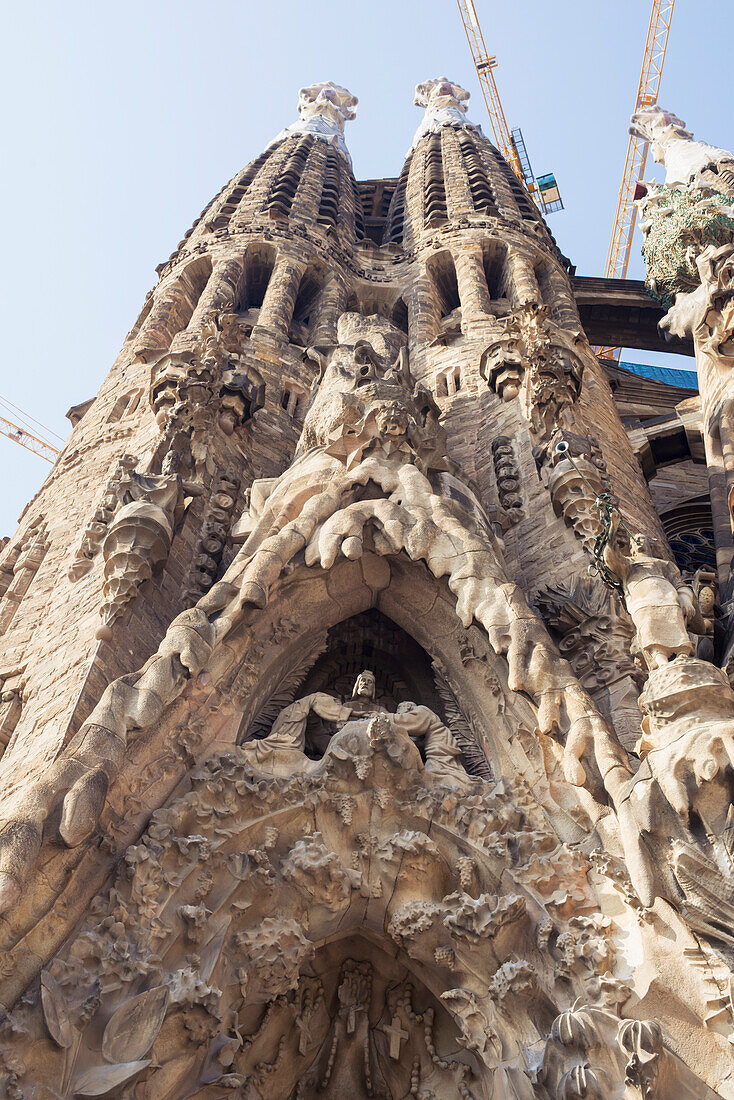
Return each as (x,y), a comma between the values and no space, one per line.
(396,1034)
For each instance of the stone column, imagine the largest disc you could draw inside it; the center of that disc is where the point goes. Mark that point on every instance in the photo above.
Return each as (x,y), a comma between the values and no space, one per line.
(276,312)
(222,293)
(162,323)
(459,200)
(423,312)
(472,282)
(520,279)
(560,300)
(330,306)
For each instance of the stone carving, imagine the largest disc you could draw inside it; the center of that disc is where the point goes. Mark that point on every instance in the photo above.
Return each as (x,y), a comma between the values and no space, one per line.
(133,527)
(689,760)
(299,889)
(574,484)
(22,564)
(684,231)
(688,229)
(323,109)
(139,536)
(228,945)
(96,528)
(530,358)
(686,161)
(595,634)
(205,379)
(362,476)
(660,604)
(224,953)
(214,534)
(445,105)
(507,473)
(461,728)
(289,683)
(707,313)
(286,742)
(684,778)
(12,698)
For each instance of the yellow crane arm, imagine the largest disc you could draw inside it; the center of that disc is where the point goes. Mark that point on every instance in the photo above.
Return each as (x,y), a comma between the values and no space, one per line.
(620,245)
(484,64)
(30,442)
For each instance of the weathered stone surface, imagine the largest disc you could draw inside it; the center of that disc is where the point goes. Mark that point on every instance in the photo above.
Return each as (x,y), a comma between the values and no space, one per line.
(329,808)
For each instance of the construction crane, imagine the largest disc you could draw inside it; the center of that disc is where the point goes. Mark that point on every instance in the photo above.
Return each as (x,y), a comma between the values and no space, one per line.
(510,143)
(30,442)
(620,245)
(23,435)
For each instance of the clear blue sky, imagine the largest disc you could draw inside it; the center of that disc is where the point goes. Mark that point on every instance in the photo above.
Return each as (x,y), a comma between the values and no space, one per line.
(123,119)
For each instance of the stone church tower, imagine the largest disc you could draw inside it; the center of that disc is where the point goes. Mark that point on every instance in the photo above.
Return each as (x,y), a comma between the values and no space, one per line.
(330,766)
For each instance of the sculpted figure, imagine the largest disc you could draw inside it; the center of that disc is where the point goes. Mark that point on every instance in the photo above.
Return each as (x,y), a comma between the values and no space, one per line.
(686,160)
(289,729)
(371,473)
(532,359)
(660,604)
(139,536)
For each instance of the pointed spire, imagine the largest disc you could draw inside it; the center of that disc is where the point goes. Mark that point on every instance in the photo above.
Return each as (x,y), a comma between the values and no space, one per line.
(323,110)
(445,104)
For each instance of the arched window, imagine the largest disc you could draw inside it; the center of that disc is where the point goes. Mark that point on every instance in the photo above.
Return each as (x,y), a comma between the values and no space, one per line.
(306,300)
(259,263)
(443,274)
(494,256)
(125,405)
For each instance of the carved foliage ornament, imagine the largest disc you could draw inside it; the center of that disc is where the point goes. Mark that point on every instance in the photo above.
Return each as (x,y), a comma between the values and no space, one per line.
(530,360)
(212,375)
(214,958)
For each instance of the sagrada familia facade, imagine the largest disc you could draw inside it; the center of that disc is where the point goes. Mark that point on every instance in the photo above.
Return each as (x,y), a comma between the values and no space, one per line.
(365,705)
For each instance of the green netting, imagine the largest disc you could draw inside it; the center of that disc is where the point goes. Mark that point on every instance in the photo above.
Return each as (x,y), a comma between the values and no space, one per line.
(678,233)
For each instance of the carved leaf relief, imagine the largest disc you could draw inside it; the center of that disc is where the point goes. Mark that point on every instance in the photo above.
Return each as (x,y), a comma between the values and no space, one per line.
(212,951)
(100,1079)
(55,1011)
(133,1029)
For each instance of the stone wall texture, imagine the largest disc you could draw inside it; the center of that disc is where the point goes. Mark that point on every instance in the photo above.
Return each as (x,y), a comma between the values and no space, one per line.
(363,725)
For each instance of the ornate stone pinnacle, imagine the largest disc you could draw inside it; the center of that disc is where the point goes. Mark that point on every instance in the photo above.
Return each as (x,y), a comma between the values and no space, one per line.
(445,104)
(323,109)
(686,160)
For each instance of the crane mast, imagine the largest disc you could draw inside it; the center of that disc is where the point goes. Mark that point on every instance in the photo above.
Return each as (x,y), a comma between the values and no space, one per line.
(485,65)
(511,144)
(620,245)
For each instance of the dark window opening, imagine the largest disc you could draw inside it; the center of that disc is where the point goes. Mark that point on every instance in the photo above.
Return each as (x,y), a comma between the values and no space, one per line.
(443,273)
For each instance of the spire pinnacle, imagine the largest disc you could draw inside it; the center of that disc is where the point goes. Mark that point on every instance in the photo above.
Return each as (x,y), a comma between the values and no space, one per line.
(323,109)
(445,104)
